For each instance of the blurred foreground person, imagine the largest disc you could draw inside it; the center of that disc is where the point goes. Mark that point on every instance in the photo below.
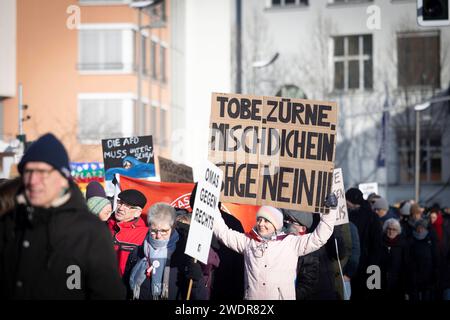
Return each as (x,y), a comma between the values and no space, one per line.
(51,246)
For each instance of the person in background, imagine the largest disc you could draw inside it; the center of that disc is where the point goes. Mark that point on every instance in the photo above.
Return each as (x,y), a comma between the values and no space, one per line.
(351,267)
(381,207)
(127,226)
(8,191)
(423,264)
(308,267)
(51,246)
(445,279)
(159,269)
(370,237)
(394,261)
(101,207)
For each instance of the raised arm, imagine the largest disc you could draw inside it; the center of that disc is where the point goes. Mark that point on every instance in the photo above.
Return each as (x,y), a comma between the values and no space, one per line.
(234,240)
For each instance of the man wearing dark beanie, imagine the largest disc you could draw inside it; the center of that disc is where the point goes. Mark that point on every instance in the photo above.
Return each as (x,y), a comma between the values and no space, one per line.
(51,246)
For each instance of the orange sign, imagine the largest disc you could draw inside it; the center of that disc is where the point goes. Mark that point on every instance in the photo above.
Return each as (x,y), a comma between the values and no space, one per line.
(178,194)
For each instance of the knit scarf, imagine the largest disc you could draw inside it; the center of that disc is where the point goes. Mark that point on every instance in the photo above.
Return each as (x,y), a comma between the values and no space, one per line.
(253,234)
(391,242)
(155,264)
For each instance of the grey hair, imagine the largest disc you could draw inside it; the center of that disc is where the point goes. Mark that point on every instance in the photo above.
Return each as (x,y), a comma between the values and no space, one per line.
(392,223)
(161,211)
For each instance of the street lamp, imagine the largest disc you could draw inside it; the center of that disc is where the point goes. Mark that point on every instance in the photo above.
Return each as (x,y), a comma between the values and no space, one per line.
(418,108)
(141,5)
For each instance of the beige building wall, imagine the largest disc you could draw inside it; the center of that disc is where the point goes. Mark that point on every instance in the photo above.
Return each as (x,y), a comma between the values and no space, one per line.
(47,66)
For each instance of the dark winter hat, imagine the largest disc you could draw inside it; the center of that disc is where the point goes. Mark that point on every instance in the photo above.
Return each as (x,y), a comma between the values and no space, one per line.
(95,189)
(133,197)
(305,219)
(50,150)
(355,196)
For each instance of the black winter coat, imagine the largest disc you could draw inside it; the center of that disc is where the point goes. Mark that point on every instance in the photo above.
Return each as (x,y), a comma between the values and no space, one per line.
(445,255)
(62,252)
(423,264)
(308,273)
(370,239)
(229,276)
(394,266)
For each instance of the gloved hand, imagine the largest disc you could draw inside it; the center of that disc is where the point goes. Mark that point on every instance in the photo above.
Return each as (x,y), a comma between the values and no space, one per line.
(331,201)
(194,270)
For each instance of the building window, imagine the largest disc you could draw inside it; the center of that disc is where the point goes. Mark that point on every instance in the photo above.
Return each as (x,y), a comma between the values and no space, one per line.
(163,127)
(101,118)
(353,62)
(351,1)
(106,50)
(162,63)
(278,3)
(153,51)
(430,158)
(144,52)
(418,56)
(154,123)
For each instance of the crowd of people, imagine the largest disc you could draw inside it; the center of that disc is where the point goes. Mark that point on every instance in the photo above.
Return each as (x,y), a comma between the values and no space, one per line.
(56,243)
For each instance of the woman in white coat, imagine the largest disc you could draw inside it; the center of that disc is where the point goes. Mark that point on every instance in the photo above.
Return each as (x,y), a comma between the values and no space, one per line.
(270,255)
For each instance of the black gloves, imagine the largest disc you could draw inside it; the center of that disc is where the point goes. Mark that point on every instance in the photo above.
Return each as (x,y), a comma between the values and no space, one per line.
(331,201)
(193,270)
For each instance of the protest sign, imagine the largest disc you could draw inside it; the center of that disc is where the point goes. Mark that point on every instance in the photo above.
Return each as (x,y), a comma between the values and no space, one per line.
(85,172)
(131,157)
(205,208)
(274,151)
(171,171)
(338,189)
(368,188)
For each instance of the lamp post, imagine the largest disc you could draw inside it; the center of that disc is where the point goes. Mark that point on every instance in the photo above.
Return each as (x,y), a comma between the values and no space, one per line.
(418,108)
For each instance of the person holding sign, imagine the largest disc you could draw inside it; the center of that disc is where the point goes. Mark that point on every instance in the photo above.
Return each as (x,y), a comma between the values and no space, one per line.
(159,269)
(270,255)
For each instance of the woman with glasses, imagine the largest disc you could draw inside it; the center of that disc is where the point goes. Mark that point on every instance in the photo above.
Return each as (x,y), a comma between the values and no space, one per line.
(394,259)
(159,269)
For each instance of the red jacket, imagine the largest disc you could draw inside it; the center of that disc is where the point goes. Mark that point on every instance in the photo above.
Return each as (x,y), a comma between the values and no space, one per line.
(127,236)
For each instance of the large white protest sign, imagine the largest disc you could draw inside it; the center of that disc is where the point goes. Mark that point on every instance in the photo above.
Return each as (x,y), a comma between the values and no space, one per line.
(368,188)
(338,189)
(273,150)
(202,220)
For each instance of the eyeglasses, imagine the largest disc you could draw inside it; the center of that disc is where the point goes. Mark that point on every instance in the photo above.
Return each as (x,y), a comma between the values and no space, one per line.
(391,229)
(126,205)
(40,173)
(162,232)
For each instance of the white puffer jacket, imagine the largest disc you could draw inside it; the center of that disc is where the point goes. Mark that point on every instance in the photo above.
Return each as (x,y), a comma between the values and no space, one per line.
(271,267)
